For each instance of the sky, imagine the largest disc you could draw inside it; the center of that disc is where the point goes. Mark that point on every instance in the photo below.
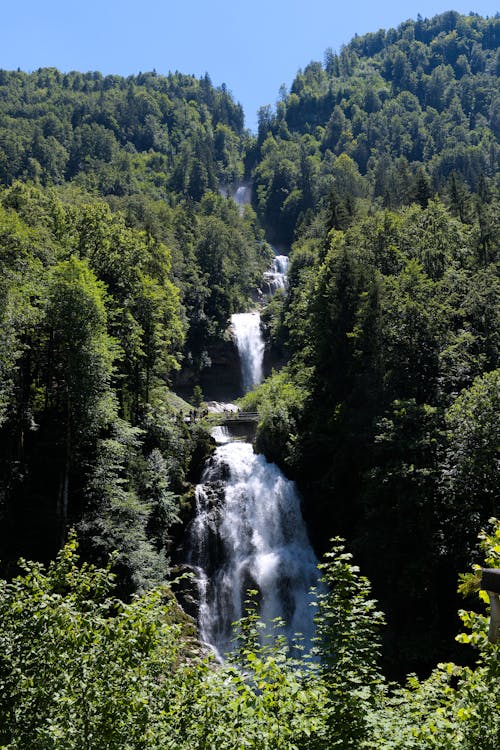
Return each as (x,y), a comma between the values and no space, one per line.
(252,47)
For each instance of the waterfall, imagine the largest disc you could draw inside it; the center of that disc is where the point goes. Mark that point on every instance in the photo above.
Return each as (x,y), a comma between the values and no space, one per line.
(249,534)
(275,278)
(221,435)
(242,197)
(250,345)
(248,531)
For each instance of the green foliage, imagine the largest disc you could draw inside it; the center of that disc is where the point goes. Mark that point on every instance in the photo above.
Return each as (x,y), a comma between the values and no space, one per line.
(348,627)
(81,669)
(76,318)
(394,117)
(278,402)
(93,326)
(102,300)
(456,707)
(115,134)
(472,458)
(21,285)
(271,700)
(386,323)
(118,518)
(121,261)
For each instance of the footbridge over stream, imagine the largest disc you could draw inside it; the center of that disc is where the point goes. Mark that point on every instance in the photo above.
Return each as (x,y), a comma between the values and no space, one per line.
(233,417)
(235,425)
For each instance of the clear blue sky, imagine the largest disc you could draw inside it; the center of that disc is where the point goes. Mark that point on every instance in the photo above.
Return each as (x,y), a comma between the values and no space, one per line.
(252,47)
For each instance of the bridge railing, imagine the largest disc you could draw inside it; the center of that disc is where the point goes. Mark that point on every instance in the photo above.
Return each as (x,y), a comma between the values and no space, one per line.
(233,416)
(224,417)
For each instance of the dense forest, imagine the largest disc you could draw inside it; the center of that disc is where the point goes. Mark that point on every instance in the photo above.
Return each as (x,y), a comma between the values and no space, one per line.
(104,292)
(387,412)
(394,118)
(122,257)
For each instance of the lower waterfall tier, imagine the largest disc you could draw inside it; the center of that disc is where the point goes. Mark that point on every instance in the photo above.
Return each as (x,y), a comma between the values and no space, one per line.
(248,533)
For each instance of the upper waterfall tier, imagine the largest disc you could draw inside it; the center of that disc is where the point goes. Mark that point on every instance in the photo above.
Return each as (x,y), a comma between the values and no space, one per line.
(242,195)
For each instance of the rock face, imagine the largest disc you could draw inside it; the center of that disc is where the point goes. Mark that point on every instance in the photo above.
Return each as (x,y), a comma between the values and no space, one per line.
(219,382)
(222,381)
(274,359)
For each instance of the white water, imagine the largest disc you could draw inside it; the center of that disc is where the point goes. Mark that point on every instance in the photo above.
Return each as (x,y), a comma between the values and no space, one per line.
(253,538)
(250,345)
(275,278)
(220,407)
(248,531)
(242,196)
(221,434)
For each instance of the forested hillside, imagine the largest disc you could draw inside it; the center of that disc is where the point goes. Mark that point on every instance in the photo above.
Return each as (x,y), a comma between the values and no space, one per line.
(122,258)
(120,261)
(394,117)
(387,414)
(119,135)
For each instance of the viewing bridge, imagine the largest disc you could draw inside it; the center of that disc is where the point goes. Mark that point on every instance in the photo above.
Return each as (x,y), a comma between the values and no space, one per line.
(233,418)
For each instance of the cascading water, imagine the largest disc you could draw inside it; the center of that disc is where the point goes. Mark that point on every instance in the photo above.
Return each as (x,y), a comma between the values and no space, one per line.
(275,278)
(248,531)
(251,538)
(221,434)
(250,345)
(242,197)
